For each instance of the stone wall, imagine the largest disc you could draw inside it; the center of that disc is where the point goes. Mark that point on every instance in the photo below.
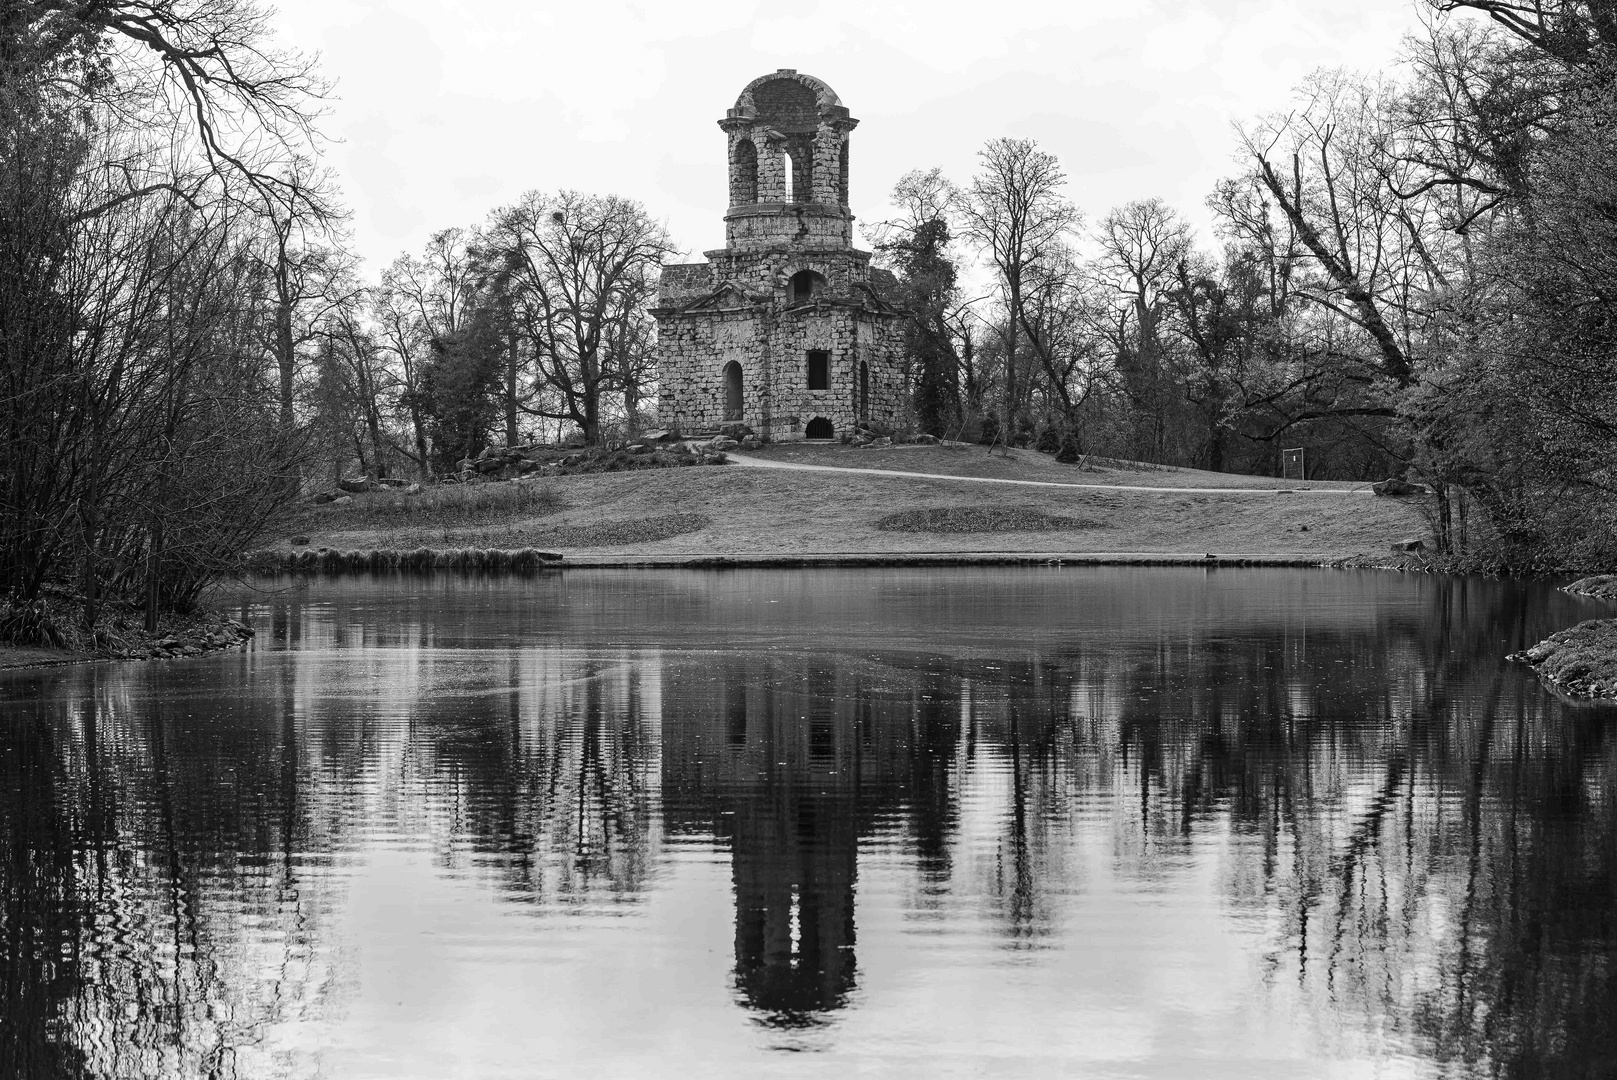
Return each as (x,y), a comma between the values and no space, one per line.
(768,269)
(683,282)
(772,346)
(775,224)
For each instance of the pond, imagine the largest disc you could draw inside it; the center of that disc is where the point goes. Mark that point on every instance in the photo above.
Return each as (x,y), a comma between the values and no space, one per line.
(1024,822)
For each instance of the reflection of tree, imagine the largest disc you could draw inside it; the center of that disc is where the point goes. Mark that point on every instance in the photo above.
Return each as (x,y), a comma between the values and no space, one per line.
(163,859)
(1435,835)
(1428,841)
(546,778)
(41,916)
(172,951)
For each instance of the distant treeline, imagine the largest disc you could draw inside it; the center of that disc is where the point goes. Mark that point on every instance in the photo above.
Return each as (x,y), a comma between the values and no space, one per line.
(1418,277)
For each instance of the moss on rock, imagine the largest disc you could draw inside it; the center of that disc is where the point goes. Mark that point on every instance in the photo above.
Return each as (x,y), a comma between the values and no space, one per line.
(1581,661)
(1601,587)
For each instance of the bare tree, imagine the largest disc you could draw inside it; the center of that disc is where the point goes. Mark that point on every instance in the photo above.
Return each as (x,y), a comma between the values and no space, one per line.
(310,276)
(420,300)
(1333,187)
(1141,246)
(143,144)
(1016,213)
(580,268)
(1065,312)
(204,71)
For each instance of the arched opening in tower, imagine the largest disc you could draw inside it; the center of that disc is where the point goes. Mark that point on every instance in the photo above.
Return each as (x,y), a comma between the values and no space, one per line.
(804,284)
(787,168)
(800,151)
(819,428)
(732,391)
(842,173)
(744,177)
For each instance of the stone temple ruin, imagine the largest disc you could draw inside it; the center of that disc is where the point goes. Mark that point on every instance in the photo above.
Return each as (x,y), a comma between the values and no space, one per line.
(785,328)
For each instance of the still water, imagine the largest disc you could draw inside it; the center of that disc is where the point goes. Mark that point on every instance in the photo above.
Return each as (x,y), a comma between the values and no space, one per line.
(1015,822)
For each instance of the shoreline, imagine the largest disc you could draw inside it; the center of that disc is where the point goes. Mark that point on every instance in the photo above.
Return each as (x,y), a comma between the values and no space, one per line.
(334,561)
(199,633)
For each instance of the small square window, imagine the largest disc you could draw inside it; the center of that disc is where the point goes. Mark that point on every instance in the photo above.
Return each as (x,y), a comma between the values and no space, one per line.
(819,370)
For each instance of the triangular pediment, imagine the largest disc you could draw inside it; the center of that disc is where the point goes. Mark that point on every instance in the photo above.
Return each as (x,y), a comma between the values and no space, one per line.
(728,296)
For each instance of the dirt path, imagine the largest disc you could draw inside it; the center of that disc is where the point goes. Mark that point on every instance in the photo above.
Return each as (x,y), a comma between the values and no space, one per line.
(765,463)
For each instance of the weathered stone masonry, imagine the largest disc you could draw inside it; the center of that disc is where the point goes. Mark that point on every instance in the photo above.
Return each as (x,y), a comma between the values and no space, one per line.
(784,328)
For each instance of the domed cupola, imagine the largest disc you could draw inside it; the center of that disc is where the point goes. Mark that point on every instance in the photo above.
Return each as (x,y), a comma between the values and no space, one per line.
(788,143)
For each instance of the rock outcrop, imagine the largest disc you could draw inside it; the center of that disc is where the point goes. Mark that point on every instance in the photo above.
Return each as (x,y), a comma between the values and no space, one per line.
(1579,662)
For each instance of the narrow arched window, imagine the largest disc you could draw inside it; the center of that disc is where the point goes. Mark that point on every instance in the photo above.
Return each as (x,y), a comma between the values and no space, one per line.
(842,173)
(786,175)
(744,174)
(732,391)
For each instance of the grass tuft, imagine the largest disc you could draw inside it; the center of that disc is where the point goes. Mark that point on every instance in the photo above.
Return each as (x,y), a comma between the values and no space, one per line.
(980,519)
(439,505)
(614,533)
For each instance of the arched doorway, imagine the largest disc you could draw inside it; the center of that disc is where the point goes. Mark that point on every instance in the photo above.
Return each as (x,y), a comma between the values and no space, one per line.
(819,428)
(732,391)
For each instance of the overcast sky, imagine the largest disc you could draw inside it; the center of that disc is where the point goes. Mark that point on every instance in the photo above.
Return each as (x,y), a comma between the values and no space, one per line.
(445,110)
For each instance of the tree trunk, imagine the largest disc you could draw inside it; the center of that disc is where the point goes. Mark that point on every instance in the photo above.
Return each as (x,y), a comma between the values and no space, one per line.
(1015,284)
(283,360)
(511,364)
(153,574)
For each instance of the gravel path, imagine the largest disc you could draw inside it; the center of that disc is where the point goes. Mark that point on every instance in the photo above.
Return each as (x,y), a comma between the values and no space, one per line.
(763,463)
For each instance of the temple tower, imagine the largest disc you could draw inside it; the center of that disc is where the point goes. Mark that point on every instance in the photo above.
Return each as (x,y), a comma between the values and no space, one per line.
(785,329)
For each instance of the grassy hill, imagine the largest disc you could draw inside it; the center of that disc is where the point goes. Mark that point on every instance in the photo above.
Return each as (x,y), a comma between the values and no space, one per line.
(741,510)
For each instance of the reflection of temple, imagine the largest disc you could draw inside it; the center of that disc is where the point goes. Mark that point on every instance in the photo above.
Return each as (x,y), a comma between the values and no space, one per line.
(790,763)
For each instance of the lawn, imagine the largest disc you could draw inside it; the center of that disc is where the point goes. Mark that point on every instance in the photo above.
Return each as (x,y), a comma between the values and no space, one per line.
(754,511)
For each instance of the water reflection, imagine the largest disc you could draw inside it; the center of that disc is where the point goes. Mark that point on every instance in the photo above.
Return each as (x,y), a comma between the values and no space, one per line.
(1270,821)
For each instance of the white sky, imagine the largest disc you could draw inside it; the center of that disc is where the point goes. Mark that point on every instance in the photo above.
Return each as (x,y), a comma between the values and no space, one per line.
(446,110)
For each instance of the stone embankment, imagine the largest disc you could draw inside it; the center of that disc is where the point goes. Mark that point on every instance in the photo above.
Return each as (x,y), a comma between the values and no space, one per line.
(331,560)
(208,635)
(1581,661)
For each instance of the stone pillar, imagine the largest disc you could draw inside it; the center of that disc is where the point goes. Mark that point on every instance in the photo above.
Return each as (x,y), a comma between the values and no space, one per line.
(772,170)
(829,140)
(827,152)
